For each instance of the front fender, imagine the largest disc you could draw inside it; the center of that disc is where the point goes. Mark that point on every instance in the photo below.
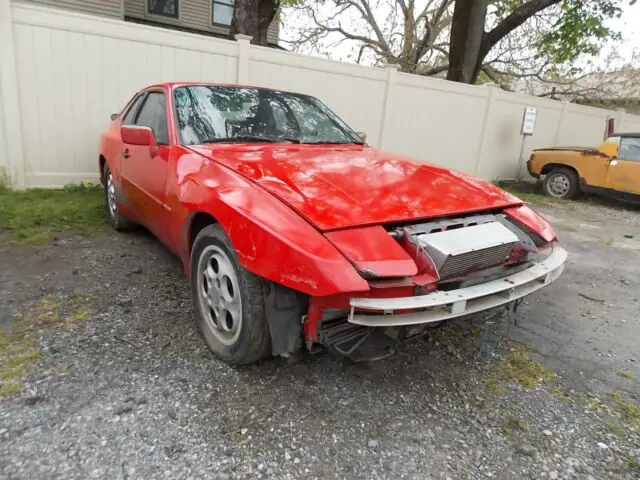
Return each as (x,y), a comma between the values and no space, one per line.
(271,240)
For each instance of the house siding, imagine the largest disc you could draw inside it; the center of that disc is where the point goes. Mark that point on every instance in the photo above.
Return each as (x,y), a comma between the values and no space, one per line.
(192,14)
(107,8)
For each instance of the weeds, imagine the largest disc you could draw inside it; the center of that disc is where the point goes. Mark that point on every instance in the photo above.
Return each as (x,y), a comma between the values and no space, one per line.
(616,429)
(625,374)
(518,367)
(18,347)
(514,423)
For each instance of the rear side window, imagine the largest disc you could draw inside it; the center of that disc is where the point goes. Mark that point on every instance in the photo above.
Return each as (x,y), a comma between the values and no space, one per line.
(153,115)
(129,116)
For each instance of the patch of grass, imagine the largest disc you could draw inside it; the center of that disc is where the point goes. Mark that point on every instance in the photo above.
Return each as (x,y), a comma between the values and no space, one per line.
(633,462)
(625,374)
(556,392)
(518,367)
(607,241)
(10,388)
(532,197)
(491,386)
(630,411)
(616,429)
(38,215)
(18,347)
(514,423)
(568,228)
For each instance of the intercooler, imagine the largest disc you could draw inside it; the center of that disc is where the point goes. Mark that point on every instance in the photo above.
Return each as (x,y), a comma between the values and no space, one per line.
(458,249)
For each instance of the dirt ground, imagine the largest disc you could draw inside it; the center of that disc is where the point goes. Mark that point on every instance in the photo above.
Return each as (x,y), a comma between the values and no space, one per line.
(120,385)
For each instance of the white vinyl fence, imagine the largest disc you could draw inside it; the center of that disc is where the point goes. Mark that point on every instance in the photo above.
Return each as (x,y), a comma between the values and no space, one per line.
(62,74)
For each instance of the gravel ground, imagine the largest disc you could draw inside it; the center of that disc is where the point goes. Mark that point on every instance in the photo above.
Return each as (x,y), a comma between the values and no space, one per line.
(125,388)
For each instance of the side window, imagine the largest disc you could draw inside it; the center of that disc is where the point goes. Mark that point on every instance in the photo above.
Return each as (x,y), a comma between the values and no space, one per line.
(629,149)
(152,115)
(131,113)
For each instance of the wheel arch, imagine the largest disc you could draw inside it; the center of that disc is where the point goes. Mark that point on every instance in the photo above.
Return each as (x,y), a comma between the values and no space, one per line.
(195,223)
(552,166)
(102,161)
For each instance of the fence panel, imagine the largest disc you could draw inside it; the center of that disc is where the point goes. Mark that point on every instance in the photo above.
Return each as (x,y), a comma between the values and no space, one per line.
(62,75)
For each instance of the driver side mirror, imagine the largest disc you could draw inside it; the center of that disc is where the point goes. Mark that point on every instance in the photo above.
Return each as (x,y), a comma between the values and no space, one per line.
(134,135)
(362,135)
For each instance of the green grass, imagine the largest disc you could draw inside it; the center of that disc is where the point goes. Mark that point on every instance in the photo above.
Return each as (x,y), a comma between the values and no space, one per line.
(531,197)
(625,374)
(38,215)
(616,429)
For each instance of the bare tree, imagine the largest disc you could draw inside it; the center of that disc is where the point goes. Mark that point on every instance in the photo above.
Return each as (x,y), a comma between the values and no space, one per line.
(409,33)
(472,41)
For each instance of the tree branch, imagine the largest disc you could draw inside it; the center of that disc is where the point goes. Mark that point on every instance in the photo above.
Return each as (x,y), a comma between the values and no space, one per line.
(513,21)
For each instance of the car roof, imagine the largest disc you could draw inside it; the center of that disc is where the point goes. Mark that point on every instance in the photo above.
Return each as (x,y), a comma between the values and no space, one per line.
(173,85)
(626,134)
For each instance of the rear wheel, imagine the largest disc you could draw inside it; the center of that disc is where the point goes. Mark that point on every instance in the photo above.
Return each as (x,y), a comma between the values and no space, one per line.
(228,300)
(561,183)
(116,219)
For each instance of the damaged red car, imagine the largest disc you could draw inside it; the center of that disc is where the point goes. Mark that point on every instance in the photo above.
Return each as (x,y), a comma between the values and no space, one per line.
(294,233)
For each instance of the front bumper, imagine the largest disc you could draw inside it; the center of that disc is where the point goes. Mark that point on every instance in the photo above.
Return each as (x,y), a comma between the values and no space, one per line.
(438,306)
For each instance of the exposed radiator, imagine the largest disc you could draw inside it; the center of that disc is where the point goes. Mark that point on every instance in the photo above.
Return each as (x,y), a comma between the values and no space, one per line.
(462,250)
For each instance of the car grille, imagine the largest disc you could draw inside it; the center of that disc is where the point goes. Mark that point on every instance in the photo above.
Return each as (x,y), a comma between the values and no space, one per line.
(465,249)
(456,265)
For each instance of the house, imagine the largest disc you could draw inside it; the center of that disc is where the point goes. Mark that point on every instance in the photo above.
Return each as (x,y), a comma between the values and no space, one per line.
(206,17)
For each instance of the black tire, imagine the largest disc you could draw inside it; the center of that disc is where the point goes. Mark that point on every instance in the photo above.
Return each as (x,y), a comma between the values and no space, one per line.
(253,340)
(116,219)
(561,183)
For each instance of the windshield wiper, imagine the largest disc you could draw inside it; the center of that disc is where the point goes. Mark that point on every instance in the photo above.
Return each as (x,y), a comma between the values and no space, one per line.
(336,143)
(252,138)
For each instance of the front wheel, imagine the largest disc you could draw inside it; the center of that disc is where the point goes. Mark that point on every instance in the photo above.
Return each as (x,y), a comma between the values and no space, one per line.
(561,183)
(228,300)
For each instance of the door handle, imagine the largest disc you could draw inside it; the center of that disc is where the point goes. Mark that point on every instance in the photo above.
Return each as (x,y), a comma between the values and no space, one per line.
(125,154)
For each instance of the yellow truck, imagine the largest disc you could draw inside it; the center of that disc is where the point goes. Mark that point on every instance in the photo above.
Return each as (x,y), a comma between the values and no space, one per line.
(611,169)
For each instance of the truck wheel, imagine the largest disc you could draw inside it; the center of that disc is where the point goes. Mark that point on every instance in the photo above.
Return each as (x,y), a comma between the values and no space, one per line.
(228,300)
(561,183)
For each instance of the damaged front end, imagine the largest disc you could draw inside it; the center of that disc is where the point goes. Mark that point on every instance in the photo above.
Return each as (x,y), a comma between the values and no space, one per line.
(458,266)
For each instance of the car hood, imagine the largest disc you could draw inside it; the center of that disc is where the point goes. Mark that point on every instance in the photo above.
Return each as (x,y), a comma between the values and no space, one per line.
(336,187)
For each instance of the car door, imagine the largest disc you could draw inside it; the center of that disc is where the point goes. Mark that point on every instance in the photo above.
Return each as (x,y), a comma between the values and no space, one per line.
(624,171)
(144,168)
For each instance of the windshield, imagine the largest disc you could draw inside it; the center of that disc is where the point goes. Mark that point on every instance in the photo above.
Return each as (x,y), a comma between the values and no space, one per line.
(209,113)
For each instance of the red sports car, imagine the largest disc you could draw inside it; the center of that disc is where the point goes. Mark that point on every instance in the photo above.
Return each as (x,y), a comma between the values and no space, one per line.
(293,231)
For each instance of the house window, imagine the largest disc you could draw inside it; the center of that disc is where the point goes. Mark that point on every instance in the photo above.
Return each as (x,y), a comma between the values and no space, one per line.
(166,8)
(222,12)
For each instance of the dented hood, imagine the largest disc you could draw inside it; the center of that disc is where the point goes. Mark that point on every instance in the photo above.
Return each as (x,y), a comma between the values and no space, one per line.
(335,187)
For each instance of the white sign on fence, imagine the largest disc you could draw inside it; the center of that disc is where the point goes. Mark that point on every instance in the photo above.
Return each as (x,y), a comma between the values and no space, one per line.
(528,121)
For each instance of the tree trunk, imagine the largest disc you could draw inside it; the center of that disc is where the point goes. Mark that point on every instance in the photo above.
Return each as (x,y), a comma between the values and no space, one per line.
(253,17)
(467,32)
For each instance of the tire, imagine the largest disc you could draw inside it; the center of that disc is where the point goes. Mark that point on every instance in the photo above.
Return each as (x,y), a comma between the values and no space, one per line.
(116,219)
(228,300)
(561,183)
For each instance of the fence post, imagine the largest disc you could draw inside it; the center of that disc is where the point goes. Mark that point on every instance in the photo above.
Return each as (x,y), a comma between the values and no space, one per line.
(386,106)
(483,131)
(9,95)
(565,107)
(243,58)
